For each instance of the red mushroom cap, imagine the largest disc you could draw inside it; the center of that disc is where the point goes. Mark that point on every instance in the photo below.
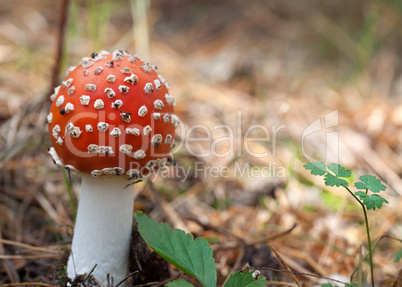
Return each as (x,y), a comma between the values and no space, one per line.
(112,115)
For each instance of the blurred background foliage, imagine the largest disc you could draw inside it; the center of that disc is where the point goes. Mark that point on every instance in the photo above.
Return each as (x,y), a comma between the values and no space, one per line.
(279,64)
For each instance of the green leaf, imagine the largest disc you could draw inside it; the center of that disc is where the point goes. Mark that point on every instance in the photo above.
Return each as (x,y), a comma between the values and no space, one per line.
(317,168)
(371,183)
(332,180)
(244,280)
(328,285)
(180,249)
(397,256)
(335,179)
(179,283)
(361,194)
(339,170)
(352,284)
(372,201)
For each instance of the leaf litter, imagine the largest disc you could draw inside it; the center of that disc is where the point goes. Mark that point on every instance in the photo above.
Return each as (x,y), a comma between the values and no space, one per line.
(279,66)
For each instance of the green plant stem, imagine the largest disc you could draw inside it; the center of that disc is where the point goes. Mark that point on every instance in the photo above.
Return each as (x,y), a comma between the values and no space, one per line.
(70,195)
(375,245)
(368,235)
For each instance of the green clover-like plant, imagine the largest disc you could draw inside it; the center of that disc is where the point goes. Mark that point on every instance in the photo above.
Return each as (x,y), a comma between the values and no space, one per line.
(336,175)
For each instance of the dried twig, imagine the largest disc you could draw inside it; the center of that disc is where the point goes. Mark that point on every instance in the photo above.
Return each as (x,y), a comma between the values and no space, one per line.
(218,230)
(301,273)
(125,278)
(60,44)
(168,280)
(29,284)
(29,247)
(89,274)
(284,264)
(2,256)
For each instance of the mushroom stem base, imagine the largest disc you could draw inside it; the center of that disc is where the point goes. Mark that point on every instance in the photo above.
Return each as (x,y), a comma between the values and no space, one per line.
(102,230)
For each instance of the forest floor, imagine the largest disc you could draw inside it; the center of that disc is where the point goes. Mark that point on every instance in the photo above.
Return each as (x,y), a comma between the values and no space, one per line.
(261,88)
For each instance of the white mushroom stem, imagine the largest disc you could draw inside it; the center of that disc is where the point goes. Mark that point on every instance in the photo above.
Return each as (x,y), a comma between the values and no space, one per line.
(103,229)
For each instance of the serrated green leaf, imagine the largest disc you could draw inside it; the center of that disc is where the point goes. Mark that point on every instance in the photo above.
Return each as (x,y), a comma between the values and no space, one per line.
(179,283)
(397,256)
(371,183)
(361,194)
(328,285)
(332,180)
(372,201)
(244,280)
(339,170)
(180,249)
(316,168)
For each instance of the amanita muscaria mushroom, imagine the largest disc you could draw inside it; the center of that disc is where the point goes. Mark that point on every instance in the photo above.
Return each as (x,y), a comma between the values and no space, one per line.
(111,121)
